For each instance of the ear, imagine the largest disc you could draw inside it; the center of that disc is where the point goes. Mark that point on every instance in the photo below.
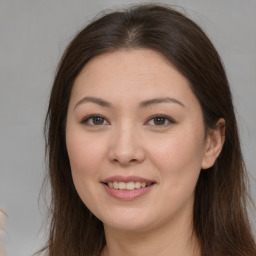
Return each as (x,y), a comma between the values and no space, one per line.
(214,143)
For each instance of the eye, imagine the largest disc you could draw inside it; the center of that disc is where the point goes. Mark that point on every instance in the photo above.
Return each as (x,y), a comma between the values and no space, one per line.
(95,120)
(160,120)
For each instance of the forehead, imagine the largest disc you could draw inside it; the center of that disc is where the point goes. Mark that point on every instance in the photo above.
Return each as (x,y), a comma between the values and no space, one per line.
(132,61)
(139,74)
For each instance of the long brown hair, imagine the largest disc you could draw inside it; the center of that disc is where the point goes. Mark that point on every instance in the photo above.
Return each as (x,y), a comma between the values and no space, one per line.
(220,215)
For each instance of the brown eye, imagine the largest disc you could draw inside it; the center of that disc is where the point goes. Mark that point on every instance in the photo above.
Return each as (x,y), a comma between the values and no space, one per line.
(95,120)
(159,120)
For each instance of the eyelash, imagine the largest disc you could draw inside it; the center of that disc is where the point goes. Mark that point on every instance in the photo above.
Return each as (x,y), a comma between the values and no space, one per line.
(166,118)
(154,117)
(90,117)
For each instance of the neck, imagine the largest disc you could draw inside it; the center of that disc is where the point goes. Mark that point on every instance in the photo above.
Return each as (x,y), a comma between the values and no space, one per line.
(176,238)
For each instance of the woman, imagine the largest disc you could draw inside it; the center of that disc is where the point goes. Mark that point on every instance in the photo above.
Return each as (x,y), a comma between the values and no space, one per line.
(144,153)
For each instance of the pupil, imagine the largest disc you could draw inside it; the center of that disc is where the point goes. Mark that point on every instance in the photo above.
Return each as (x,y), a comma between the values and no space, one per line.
(98,120)
(159,121)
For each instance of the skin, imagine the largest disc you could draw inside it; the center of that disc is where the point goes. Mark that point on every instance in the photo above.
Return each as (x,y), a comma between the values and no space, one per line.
(126,141)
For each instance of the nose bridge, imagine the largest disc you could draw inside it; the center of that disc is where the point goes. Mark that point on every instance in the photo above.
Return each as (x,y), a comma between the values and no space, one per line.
(126,146)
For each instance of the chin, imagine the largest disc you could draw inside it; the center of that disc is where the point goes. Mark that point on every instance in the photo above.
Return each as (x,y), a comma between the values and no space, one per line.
(131,226)
(129,220)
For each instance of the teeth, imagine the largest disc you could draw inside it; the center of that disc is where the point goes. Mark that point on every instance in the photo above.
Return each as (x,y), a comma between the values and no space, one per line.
(122,185)
(131,185)
(115,185)
(137,184)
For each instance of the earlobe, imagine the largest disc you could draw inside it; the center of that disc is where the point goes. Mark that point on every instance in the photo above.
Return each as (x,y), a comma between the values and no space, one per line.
(214,143)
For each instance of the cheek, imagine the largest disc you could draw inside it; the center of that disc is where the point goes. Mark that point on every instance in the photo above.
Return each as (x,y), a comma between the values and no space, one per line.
(178,158)
(84,152)
(178,149)
(86,158)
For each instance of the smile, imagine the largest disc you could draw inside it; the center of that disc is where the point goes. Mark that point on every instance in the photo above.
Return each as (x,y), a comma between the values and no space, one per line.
(127,188)
(131,185)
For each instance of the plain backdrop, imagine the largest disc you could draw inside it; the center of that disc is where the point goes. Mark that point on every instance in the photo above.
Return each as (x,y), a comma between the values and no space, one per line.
(33,35)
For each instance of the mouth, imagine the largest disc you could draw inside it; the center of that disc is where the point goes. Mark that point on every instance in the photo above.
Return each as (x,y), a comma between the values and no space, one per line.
(127,188)
(131,185)
(127,191)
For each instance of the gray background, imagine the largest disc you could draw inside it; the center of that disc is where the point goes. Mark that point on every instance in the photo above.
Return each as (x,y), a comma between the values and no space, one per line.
(33,35)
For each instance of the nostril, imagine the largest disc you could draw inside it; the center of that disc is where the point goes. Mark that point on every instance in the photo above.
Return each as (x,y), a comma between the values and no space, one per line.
(124,161)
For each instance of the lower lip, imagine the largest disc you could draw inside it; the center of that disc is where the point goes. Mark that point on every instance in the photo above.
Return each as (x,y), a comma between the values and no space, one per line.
(127,195)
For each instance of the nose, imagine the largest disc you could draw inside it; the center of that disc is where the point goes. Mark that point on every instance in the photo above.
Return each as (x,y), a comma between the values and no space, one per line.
(126,146)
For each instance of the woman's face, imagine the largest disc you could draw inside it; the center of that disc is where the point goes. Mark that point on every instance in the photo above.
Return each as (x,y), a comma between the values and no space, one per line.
(132,122)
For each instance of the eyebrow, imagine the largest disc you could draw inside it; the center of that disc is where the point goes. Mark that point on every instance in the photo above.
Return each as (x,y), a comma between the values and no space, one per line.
(143,104)
(98,101)
(147,103)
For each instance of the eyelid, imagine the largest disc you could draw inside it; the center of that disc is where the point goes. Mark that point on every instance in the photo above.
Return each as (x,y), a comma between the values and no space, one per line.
(88,117)
(168,118)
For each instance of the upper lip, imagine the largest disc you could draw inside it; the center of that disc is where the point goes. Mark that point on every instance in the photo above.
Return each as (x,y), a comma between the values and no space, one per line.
(126,179)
